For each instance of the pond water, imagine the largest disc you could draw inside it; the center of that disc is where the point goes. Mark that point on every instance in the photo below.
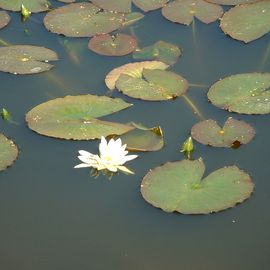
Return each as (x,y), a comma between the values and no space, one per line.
(55,217)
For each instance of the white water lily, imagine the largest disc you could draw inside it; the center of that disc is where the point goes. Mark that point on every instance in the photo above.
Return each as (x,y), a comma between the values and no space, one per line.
(112,156)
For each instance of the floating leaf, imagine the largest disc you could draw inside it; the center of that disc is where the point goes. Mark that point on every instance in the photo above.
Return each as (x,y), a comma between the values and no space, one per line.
(8,152)
(32,5)
(183,11)
(234,132)
(26,59)
(247,93)
(117,45)
(131,18)
(67,1)
(4,19)
(161,51)
(82,20)
(155,85)
(231,2)
(177,186)
(74,117)
(147,5)
(114,5)
(247,22)
(132,69)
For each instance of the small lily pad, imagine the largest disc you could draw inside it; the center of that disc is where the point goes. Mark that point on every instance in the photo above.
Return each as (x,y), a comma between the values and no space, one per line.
(32,5)
(114,5)
(148,5)
(82,20)
(131,18)
(8,152)
(183,11)
(160,51)
(74,117)
(234,132)
(116,45)
(132,69)
(26,59)
(231,2)
(155,85)
(178,186)
(247,93)
(4,18)
(247,22)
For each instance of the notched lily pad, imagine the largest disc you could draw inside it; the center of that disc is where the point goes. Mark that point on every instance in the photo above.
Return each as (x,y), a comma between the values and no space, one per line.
(82,20)
(148,5)
(132,69)
(231,2)
(74,117)
(154,85)
(8,152)
(247,22)
(178,186)
(183,11)
(4,18)
(247,93)
(32,5)
(26,59)
(116,45)
(160,51)
(232,134)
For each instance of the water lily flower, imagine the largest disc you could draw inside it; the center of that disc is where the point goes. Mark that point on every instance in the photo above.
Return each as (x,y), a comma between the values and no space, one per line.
(112,156)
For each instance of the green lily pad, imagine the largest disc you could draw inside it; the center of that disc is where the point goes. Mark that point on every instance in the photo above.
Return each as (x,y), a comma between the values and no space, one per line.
(4,19)
(246,93)
(67,1)
(114,5)
(178,186)
(132,69)
(82,20)
(148,5)
(155,85)
(231,2)
(247,22)
(8,152)
(184,11)
(160,51)
(26,59)
(131,18)
(31,5)
(74,117)
(117,45)
(232,134)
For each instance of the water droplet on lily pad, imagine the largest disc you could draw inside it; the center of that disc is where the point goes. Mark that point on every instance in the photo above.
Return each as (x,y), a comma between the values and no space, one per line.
(74,117)
(208,132)
(26,59)
(32,5)
(178,186)
(4,19)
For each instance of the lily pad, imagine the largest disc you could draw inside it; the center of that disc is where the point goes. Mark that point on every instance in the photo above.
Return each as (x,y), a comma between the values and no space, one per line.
(31,5)
(26,59)
(114,5)
(74,117)
(67,1)
(131,18)
(155,85)
(184,11)
(82,20)
(8,152)
(132,69)
(4,19)
(117,45)
(178,186)
(161,51)
(247,22)
(148,5)
(232,134)
(231,2)
(246,93)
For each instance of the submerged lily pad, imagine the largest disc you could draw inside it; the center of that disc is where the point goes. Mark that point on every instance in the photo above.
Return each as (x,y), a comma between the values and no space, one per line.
(31,5)
(8,152)
(247,22)
(231,2)
(82,20)
(26,59)
(247,93)
(161,51)
(4,19)
(132,69)
(117,45)
(178,186)
(74,117)
(232,134)
(147,5)
(183,11)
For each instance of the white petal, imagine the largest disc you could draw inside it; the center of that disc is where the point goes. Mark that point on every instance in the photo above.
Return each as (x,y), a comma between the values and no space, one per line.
(111,168)
(85,153)
(125,169)
(89,160)
(82,165)
(102,146)
(129,157)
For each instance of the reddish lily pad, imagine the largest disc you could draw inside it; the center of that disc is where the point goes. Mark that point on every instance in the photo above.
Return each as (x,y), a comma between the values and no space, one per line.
(247,22)
(183,11)
(148,5)
(4,19)
(178,186)
(82,20)
(231,2)
(114,5)
(117,45)
(232,134)
(31,5)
